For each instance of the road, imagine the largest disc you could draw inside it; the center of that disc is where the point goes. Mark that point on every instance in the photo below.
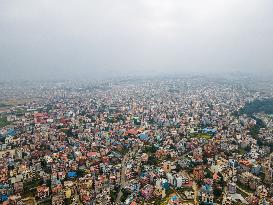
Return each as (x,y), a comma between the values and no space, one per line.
(242,190)
(123,169)
(122,176)
(30,201)
(195,189)
(181,197)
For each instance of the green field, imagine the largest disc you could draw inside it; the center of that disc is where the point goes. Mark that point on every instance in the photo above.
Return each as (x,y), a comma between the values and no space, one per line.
(3,122)
(259,105)
(4,105)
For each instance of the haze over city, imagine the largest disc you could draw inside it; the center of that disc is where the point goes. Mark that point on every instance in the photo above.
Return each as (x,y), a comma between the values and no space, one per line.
(50,39)
(144,102)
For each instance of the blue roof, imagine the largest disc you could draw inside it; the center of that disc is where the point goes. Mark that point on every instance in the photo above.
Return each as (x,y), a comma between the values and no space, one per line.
(116,143)
(4,197)
(209,130)
(72,174)
(174,198)
(61,148)
(11,132)
(143,136)
(165,185)
(206,188)
(143,174)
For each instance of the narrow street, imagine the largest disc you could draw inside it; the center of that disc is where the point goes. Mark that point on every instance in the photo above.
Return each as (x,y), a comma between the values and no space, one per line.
(30,200)
(194,186)
(123,179)
(122,176)
(244,191)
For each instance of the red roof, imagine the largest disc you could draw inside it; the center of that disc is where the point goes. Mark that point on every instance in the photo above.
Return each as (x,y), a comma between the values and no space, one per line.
(40,115)
(132,132)
(91,154)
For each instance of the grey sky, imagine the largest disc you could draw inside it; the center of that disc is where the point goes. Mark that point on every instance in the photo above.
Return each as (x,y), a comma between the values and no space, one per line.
(82,38)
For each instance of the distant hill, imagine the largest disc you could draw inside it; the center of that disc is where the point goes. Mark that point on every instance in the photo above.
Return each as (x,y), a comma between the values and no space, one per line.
(256,106)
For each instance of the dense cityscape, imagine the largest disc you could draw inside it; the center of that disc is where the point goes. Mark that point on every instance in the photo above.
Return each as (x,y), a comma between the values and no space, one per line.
(132,141)
(136,102)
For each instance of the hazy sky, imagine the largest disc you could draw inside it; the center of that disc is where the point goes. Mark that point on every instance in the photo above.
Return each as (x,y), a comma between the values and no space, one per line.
(89,38)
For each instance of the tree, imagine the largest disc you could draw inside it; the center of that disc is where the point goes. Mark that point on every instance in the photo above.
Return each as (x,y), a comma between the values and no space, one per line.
(217,192)
(248,148)
(152,160)
(81,173)
(113,195)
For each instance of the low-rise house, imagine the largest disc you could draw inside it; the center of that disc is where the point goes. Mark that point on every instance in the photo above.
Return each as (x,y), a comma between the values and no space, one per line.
(231,188)
(206,195)
(147,191)
(42,191)
(198,172)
